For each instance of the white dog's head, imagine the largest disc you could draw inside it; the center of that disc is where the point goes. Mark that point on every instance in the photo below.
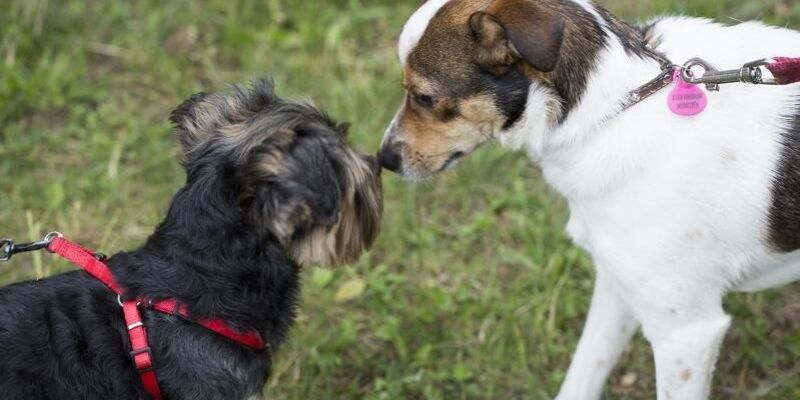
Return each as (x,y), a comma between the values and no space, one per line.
(468,66)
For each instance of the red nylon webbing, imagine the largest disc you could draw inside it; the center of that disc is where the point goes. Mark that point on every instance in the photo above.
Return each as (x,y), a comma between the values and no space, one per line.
(786,70)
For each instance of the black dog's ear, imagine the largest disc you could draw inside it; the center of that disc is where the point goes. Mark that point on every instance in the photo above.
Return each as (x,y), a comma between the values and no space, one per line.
(510,30)
(289,184)
(195,120)
(265,197)
(200,117)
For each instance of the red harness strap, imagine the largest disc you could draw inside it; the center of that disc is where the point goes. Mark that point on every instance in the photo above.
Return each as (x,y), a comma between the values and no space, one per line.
(140,348)
(250,339)
(137,332)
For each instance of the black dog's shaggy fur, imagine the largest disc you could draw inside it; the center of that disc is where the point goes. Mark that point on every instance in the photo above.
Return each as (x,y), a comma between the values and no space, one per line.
(271,186)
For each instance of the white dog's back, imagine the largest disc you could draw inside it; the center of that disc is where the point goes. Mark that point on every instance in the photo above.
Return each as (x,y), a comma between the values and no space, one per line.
(676,188)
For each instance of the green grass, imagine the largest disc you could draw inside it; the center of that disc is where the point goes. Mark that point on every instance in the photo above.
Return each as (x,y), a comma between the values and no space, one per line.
(473,290)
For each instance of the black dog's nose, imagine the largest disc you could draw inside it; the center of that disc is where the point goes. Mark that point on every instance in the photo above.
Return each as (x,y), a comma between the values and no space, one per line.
(373,163)
(390,158)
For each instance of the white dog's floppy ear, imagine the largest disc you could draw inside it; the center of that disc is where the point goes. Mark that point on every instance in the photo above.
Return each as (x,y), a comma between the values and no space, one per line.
(510,30)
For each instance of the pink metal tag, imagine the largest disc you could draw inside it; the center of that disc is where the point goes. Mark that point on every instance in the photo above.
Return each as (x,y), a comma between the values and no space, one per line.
(686,99)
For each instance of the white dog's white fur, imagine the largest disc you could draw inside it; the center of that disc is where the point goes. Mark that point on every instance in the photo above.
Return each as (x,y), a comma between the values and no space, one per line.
(672,209)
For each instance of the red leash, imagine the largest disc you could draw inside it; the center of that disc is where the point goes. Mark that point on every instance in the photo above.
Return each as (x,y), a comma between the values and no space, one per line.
(137,332)
(785,70)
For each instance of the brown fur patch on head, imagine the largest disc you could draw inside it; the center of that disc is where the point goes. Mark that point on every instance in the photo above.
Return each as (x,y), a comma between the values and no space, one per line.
(445,51)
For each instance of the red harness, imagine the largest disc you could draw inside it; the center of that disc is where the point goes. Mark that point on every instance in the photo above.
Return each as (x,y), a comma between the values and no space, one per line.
(137,333)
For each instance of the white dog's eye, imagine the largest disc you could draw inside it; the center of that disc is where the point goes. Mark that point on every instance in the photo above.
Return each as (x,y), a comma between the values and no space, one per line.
(423,100)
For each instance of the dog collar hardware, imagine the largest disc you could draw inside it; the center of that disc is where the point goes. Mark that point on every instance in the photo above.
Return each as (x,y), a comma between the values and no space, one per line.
(658,83)
(783,71)
(141,353)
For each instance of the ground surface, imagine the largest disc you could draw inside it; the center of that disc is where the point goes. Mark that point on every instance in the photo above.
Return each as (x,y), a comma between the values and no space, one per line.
(472,292)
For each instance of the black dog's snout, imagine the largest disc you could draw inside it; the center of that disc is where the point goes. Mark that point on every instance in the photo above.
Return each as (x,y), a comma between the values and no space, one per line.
(373,163)
(390,158)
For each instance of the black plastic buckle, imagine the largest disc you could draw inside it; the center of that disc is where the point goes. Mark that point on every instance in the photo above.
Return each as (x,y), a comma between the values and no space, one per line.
(136,352)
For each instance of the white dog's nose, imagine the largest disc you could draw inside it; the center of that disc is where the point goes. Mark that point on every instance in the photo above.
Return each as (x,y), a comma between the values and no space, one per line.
(390,156)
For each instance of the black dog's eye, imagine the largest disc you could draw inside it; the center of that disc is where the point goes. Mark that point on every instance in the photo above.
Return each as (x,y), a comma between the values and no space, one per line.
(423,100)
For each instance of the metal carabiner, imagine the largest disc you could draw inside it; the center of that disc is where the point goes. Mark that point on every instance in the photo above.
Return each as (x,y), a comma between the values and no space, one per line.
(756,73)
(8,248)
(138,302)
(712,77)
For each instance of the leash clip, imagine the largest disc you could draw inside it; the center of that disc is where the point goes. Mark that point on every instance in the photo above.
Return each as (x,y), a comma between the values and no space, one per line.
(755,71)
(8,248)
(712,77)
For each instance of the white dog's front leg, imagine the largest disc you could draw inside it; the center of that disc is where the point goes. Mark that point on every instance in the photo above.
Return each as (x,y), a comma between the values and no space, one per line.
(609,327)
(686,351)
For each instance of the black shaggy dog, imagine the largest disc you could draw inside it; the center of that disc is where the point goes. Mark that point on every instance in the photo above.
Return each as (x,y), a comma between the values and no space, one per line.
(271,186)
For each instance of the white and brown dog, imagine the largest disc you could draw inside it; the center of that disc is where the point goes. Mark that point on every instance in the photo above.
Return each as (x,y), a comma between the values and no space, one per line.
(675,211)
